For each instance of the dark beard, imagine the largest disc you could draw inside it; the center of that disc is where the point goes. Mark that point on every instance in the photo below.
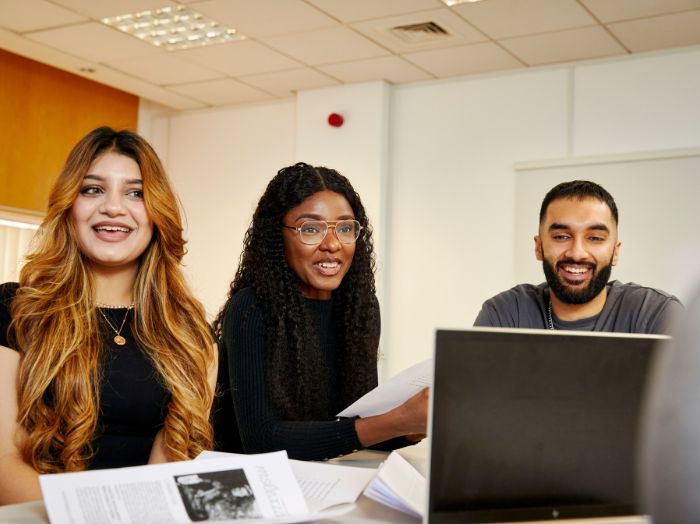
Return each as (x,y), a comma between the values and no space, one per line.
(576,296)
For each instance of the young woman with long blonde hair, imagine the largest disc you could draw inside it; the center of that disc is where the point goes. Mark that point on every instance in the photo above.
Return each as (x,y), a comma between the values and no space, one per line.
(106,358)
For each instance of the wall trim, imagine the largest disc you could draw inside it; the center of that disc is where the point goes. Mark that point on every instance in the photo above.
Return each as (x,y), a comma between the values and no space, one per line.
(607,159)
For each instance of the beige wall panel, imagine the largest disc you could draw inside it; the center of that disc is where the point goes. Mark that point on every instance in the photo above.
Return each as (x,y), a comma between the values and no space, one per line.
(44,111)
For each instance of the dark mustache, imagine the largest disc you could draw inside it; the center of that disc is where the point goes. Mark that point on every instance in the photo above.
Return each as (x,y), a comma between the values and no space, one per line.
(570,261)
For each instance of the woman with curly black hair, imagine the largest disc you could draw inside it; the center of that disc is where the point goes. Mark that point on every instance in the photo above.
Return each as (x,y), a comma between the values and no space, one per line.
(299,332)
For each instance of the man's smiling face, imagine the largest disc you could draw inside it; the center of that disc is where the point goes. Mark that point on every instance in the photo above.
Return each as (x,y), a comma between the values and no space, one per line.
(577,245)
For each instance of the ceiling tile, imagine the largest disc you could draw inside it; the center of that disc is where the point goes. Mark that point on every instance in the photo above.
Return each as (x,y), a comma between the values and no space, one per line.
(19,45)
(144,89)
(103,8)
(357,10)
(615,10)
(93,41)
(659,32)
(163,69)
(244,57)
(285,83)
(506,18)
(30,15)
(220,92)
(389,68)
(564,46)
(325,46)
(464,60)
(460,32)
(258,19)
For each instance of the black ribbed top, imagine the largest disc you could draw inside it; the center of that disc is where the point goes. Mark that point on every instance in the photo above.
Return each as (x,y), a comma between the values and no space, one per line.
(242,370)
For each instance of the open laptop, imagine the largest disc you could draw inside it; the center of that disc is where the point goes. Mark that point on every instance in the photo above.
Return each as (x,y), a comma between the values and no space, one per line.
(535,425)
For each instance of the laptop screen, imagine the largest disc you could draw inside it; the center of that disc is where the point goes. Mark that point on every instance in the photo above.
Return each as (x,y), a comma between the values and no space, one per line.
(534,424)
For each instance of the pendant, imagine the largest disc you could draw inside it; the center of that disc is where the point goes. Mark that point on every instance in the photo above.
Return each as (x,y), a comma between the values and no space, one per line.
(119,340)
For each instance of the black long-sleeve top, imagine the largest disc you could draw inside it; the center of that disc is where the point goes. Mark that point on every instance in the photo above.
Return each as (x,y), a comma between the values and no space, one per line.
(133,401)
(242,378)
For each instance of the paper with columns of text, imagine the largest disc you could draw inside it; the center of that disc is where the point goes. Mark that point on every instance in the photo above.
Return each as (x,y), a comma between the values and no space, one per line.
(392,393)
(259,488)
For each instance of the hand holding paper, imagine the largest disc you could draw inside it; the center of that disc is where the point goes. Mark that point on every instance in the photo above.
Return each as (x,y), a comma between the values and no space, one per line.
(393,392)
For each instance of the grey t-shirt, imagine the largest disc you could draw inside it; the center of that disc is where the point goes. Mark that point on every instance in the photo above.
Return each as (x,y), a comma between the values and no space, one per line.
(629,308)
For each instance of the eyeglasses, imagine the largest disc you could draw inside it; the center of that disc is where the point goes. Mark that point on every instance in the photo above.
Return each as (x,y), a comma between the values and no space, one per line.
(313,232)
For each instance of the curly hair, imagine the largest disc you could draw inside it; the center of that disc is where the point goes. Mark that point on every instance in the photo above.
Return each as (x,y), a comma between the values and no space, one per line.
(55,324)
(295,367)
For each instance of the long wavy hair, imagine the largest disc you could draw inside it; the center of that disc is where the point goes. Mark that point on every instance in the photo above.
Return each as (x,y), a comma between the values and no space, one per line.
(296,380)
(56,327)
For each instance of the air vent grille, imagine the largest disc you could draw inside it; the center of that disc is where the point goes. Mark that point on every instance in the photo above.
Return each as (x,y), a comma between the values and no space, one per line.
(419,33)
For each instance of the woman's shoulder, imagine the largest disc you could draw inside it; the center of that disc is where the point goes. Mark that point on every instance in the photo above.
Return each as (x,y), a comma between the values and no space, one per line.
(8,290)
(243,301)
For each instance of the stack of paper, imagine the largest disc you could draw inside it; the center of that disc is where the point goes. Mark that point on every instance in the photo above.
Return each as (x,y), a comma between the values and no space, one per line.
(399,485)
(225,487)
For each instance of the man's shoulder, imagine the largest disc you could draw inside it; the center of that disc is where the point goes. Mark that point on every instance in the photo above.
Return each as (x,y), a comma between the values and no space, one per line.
(519,306)
(635,308)
(521,292)
(632,290)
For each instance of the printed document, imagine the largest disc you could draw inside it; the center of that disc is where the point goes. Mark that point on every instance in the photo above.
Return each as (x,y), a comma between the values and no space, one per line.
(260,488)
(323,485)
(392,393)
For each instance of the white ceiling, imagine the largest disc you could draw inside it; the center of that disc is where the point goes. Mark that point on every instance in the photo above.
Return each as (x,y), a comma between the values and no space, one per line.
(303,44)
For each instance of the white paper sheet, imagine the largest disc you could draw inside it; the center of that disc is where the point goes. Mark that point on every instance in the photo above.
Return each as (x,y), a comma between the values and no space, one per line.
(392,393)
(399,485)
(323,485)
(230,489)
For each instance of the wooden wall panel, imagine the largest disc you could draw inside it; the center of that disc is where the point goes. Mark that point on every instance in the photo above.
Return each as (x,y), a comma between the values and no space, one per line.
(43,112)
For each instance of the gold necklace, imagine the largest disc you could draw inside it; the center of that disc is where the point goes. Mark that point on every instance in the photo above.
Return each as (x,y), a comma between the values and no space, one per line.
(119,340)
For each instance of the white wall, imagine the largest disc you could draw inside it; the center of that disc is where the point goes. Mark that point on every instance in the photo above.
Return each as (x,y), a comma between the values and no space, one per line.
(442,188)
(452,198)
(453,150)
(220,162)
(357,149)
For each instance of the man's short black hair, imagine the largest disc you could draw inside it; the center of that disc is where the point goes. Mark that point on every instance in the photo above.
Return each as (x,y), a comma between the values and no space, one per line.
(578,189)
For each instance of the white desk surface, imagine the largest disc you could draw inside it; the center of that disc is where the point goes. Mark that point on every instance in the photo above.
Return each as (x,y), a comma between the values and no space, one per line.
(366,512)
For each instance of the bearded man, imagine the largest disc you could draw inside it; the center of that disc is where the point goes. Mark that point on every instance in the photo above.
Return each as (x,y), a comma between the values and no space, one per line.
(578,246)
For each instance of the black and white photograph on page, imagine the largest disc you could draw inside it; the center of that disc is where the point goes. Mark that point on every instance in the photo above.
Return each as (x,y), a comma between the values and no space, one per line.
(217,495)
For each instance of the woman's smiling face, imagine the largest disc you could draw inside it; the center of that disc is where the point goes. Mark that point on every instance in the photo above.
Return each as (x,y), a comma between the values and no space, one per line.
(320,267)
(109,215)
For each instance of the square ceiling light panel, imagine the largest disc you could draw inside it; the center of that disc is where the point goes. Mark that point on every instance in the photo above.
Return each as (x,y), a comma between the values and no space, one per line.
(173,28)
